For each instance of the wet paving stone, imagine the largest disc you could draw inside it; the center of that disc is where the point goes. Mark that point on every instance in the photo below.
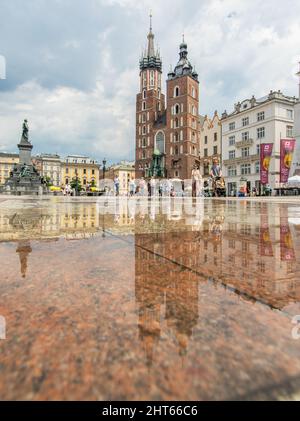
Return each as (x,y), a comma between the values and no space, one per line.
(146,299)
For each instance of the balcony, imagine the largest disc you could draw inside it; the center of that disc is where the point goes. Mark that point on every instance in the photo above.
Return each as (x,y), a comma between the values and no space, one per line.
(244,143)
(242,160)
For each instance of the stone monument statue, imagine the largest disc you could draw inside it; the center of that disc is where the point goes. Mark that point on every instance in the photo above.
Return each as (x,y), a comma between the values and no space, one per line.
(24,179)
(25,131)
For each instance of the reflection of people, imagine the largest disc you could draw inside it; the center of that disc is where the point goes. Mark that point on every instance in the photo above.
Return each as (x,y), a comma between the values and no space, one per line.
(132,187)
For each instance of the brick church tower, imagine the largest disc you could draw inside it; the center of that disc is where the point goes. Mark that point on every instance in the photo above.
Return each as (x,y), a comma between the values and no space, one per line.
(167,138)
(150,105)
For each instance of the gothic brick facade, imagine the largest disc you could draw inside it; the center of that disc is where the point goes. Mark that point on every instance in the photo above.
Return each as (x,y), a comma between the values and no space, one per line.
(167,129)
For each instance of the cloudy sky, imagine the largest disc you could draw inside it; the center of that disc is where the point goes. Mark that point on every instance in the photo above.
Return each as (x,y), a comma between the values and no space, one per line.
(72,65)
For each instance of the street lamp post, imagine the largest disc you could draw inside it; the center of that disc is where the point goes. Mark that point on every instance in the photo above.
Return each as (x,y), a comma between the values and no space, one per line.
(104,168)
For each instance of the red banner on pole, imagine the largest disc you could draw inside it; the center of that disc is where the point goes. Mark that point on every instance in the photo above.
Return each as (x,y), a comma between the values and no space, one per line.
(287,147)
(265,158)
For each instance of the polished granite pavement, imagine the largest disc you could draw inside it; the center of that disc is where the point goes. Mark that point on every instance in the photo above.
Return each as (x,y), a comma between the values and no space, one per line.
(115,299)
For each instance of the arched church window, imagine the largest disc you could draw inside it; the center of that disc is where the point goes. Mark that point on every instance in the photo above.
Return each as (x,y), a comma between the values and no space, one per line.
(176,122)
(160,142)
(176,137)
(144,105)
(176,91)
(176,150)
(144,129)
(144,94)
(177,109)
(152,78)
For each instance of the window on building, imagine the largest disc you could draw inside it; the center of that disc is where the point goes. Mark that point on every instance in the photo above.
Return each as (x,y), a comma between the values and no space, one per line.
(205,152)
(231,154)
(193,92)
(232,171)
(144,155)
(177,109)
(144,105)
(152,78)
(145,79)
(289,131)
(261,116)
(245,121)
(144,118)
(205,140)
(289,114)
(245,136)
(257,149)
(84,171)
(231,140)
(215,136)
(67,170)
(144,142)
(215,150)
(176,123)
(232,126)
(144,129)
(245,169)
(257,167)
(176,137)
(144,94)
(93,172)
(260,133)
(176,91)
(206,169)
(176,150)
(245,152)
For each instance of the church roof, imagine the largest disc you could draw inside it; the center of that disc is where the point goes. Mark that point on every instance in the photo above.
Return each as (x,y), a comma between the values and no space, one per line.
(183,67)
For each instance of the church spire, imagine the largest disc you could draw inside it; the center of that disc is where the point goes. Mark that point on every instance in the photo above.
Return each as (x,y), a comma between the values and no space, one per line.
(151,59)
(151,52)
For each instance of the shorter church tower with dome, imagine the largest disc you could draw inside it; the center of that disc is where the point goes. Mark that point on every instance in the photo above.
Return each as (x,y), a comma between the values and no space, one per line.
(167,126)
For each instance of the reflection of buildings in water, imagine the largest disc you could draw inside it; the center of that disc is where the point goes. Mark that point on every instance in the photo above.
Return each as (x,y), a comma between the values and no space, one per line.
(71,220)
(230,251)
(163,293)
(24,249)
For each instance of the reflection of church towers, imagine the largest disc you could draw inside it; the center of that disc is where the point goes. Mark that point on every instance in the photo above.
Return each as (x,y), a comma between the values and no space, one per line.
(24,249)
(164,293)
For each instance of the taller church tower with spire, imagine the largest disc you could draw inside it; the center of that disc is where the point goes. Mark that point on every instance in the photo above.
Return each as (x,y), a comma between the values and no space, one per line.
(167,137)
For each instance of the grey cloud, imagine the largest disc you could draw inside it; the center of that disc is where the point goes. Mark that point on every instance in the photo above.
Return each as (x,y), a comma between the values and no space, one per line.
(72,65)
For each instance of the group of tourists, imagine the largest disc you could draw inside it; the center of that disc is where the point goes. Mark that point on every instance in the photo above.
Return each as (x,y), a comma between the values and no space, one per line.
(167,187)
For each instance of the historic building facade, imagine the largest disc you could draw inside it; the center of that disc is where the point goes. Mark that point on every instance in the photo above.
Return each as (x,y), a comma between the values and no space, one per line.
(7,162)
(83,168)
(49,166)
(167,128)
(210,143)
(253,122)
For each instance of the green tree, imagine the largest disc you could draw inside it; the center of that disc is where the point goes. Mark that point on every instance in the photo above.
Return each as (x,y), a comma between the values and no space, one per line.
(75,184)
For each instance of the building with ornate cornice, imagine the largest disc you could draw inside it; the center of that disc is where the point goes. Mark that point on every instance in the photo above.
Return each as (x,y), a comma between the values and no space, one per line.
(167,128)
(210,143)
